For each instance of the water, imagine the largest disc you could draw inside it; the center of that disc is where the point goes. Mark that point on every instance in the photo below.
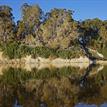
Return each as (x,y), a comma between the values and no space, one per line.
(54,87)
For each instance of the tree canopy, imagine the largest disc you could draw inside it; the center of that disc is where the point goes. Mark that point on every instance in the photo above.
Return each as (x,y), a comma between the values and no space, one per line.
(55,29)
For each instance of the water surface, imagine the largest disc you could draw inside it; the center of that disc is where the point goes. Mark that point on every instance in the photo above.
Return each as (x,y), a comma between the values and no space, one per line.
(54,87)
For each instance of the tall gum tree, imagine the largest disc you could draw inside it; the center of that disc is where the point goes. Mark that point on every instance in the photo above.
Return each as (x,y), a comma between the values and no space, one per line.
(7,24)
(58,30)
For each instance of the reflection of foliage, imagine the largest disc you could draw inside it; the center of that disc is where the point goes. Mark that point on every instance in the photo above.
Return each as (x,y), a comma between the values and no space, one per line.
(20,80)
(53,34)
(95,89)
(54,86)
(101,77)
(90,90)
(15,76)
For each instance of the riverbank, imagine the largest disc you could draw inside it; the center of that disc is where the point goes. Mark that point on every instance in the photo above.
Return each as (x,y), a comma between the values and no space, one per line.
(39,62)
(29,63)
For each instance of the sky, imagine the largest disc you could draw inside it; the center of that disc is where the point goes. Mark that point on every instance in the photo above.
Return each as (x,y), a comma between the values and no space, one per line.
(83,9)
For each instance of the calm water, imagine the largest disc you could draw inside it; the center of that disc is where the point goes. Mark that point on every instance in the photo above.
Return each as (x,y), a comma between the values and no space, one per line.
(54,87)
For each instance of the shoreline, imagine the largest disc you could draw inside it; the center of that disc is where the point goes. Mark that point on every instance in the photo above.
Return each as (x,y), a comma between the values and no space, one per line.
(28,62)
(40,63)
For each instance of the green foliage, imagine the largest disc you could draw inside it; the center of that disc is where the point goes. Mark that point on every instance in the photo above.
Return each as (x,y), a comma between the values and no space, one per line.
(17,50)
(31,15)
(72,53)
(7,24)
(59,29)
(50,34)
(14,76)
(10,49)
(97,30)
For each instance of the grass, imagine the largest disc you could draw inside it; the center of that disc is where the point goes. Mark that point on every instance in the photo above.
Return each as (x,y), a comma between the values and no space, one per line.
(17,50)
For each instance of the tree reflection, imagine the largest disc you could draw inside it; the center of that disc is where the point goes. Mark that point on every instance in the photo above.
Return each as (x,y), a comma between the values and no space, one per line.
(20,88)
(83,80)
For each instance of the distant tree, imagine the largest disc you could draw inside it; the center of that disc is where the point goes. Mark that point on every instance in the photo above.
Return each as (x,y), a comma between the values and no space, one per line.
(7,24)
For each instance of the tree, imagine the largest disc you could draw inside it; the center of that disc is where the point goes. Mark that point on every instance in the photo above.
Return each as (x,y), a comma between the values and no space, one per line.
(7,24)
(58,30)
(31,19)
(103,35)
(31,16)
(89,29)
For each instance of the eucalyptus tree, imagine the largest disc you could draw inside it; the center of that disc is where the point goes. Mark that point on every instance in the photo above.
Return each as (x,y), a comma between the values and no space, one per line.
(31,19)
(103,34)
(90,31)
(59,30)
(7,25)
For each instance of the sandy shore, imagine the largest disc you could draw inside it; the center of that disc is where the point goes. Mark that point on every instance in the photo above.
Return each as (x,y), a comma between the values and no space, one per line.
(40,63)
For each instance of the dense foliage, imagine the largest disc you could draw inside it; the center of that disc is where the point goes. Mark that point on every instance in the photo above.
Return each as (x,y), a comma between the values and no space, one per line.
(54,33)
(53,86)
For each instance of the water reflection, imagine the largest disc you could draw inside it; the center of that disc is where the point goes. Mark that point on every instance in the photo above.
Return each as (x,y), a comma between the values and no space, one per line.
(17,104)
(83,80)
(43,104)
(85,105)
(91,105)
(55,87)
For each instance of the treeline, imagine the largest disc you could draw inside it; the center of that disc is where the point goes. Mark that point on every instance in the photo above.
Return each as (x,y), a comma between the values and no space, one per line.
(55,30)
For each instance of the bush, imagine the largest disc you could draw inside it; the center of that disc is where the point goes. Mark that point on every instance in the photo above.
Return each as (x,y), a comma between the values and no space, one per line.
(18,50)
